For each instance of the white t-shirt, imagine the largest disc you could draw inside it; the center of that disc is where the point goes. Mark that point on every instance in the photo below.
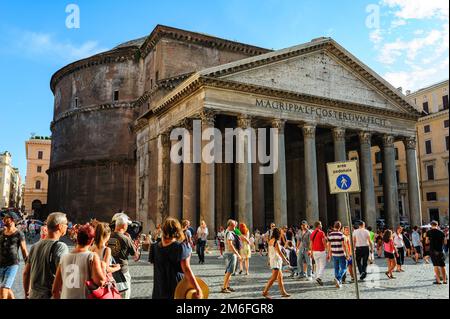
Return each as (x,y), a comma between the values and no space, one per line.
(229,236)
(398,241)
(362,237)
(202,233)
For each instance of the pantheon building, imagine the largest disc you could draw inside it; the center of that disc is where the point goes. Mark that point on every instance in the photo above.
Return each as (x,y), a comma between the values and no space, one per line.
(114,112)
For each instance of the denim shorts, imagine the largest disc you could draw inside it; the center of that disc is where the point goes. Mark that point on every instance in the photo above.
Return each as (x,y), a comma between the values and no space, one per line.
(230,262)
(7,276)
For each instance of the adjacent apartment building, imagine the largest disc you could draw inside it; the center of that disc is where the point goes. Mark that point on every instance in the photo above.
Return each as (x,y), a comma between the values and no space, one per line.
(36,186)
(10,183)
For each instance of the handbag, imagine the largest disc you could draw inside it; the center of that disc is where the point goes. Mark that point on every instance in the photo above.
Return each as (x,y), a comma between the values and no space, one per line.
(107,291)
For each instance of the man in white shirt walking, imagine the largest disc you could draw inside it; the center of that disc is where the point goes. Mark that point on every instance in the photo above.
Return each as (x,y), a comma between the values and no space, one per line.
(364,246)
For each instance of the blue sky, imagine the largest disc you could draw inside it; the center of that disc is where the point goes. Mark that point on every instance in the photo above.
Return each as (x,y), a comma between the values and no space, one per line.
(405,41)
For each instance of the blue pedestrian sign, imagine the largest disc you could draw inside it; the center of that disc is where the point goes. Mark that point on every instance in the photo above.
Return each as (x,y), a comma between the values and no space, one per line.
(343,182)
(343,177)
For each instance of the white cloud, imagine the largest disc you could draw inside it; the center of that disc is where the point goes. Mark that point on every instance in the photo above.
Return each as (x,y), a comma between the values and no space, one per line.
(413,79)
(375,36)
(391,51)
(37,44)
(419,9)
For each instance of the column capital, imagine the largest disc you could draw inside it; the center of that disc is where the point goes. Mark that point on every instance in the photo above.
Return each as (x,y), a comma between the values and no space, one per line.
(208,117)
(165,139)
(278,124)
(309,130)
(338,133)
(410,142)
(244,121)
(388,140)
(186,123)
(365,137)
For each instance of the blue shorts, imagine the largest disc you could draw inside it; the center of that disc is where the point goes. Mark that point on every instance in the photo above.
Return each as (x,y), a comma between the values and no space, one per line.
(350,261)
(230,262)
(7,276)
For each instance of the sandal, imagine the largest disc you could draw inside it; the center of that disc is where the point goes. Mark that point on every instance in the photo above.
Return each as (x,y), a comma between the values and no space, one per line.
(436,283)
(225,291)
(266,295)
(230,289)
(285,295)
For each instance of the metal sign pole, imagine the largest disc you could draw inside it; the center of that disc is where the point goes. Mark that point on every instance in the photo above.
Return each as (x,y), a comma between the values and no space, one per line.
(349,221)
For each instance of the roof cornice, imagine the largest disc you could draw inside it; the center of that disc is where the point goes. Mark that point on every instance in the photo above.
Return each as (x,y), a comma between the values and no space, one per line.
(162,31)
(325,44)
(196,82)
(114,56)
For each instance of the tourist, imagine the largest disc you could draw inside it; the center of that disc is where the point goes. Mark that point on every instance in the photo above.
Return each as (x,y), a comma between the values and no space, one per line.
(400,246)
(87,264)
(372,239)
(221,241)
(436,240)
(363,247)
(337,250)
(102,236)
(44,231)
(202,237)
(185,224)
(390,253)
(32,231)
(121,248)
(258,241)
(304,251)
(416,243)
(318,248)
(231,255)
(245,252)
(407,241)
(379,244)
(446,240)
(349,252)
(292,257)
(276,259)
(426,247)
(157,234)
(11,240)
(40,269)
(171,259)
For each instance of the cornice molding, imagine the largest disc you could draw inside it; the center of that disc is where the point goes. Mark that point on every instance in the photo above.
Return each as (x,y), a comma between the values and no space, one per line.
(196,38)
(114,56)
(90,163)
(192,85)
(92,108)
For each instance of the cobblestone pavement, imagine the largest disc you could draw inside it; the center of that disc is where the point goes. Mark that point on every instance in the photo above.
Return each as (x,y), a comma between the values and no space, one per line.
(415,283)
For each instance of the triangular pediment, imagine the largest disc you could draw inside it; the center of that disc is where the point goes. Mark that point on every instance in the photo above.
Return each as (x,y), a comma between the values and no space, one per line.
(324,70)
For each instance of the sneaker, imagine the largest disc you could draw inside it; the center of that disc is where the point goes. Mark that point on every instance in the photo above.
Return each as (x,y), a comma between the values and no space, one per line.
(336,282)
(363,276)
(309,279)
(344,278)
(220,257)
(319,281)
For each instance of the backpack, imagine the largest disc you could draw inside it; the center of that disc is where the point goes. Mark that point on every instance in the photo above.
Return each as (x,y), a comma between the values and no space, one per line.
(236,240)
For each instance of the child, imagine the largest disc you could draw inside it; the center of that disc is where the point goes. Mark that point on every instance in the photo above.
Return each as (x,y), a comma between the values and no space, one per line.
(292,257)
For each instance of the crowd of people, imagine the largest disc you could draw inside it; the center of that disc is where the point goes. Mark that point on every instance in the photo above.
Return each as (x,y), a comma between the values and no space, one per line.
(102,250)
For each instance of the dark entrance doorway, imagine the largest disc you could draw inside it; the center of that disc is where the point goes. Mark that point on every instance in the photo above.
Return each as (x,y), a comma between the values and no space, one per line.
(434,214)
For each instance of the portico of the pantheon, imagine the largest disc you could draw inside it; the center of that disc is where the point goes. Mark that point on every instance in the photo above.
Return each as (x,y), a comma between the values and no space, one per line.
(322,101)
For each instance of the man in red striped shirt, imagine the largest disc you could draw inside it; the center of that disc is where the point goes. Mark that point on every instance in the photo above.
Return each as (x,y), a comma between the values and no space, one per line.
(336,249)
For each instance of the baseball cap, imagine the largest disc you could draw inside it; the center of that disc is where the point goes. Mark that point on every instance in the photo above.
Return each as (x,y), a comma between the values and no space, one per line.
(121,215)
(304,222)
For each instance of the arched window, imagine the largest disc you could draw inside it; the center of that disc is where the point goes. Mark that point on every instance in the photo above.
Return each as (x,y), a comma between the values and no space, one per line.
(38,184)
